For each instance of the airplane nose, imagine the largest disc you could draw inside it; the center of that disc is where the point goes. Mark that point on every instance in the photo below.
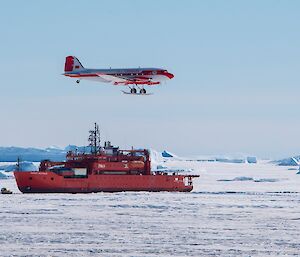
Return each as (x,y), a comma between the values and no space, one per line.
(170,75)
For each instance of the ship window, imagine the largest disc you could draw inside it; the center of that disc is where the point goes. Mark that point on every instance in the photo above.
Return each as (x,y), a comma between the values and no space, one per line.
(30,178)
(52,178)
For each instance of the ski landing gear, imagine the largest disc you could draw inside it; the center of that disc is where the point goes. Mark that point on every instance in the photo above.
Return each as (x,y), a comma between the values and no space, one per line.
(133,91)
(143,91)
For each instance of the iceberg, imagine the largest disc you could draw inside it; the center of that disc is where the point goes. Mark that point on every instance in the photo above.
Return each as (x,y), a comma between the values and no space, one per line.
(226,160)
(249,179)
(251,159)
(291,161)
(166,154)
(54,153)
(237,179)
(3,176)
(24,166)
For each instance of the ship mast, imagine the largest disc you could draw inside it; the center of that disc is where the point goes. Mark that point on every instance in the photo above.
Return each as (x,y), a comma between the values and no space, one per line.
(94,139)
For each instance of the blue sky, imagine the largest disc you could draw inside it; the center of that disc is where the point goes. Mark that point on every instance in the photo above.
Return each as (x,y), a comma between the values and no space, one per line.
(236,66)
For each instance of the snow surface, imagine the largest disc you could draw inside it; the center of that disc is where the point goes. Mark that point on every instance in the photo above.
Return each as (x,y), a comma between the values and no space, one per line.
(234,210)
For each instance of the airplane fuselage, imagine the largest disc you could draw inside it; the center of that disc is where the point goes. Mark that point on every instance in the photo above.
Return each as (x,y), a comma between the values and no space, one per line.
(136,75)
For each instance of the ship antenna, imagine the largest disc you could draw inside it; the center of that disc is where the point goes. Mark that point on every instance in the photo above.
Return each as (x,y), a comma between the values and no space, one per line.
(94,140)
(18,164)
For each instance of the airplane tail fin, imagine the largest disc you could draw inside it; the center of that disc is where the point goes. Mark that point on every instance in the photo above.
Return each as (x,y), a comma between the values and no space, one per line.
(73,64)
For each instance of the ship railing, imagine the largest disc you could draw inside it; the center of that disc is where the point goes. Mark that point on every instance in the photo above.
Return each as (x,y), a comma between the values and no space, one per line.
(190,179)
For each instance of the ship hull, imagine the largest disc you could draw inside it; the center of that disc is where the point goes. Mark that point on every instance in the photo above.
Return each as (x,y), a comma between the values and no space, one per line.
(50,182)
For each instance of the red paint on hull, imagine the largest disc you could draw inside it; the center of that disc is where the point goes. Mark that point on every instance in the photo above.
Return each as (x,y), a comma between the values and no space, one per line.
(49,182)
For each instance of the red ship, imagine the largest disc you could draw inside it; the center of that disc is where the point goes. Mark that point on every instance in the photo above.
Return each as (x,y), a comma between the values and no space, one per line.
(105,169)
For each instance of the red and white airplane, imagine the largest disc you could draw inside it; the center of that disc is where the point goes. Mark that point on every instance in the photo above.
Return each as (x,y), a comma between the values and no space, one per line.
(134,78)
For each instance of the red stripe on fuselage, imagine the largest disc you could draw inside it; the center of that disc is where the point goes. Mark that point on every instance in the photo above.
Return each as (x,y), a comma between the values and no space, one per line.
(78,75)
(81,75)
(137,83)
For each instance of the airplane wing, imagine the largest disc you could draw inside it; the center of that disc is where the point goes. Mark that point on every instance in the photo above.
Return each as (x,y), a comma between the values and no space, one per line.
(127,80)
(111,78)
